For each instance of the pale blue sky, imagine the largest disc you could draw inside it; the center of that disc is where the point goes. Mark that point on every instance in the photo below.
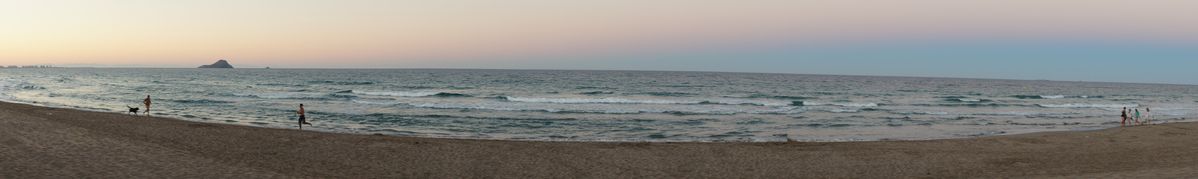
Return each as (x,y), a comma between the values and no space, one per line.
(1152,41)
(1030,59)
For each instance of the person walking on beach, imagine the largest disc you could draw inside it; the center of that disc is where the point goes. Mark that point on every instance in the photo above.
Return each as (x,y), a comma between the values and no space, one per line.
(302,119)
(147,102)
(1124,116)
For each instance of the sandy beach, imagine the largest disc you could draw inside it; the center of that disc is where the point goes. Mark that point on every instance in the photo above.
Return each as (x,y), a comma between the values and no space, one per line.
(41,142)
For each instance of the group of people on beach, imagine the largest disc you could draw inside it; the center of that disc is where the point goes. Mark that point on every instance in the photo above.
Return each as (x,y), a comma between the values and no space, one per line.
(1134,116)
(302,118)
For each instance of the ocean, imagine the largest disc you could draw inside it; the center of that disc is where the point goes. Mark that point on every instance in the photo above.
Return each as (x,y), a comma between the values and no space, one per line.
(570,105)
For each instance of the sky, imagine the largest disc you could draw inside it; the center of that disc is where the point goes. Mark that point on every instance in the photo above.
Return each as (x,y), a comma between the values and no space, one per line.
(1148,41)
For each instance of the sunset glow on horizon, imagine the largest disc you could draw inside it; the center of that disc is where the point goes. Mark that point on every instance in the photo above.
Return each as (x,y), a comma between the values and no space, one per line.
(620,34)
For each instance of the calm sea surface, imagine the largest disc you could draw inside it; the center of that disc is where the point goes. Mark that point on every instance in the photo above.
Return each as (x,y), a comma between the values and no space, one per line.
(604,105)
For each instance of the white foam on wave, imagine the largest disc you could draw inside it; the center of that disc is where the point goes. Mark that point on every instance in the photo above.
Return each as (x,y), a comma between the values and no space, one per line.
(1172,111)
(611,109)
(568,100)
(5,84)
(397,93)
(1052,96)
(459,106)
(806,103)
(923,113)
(1085,105)
(374,102)
(774,103)
(595,100)
(969,100)
(499,108)
(844,110)
(281,95)
(13,84)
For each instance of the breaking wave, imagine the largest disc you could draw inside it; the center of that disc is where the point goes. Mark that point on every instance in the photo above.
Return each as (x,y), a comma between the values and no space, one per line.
(410,93)
(567,100)
(1052,96)
(808,103)
(342,82)
(1084,105)
(594,100)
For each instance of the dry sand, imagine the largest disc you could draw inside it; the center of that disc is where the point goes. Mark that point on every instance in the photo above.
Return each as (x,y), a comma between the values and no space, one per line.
(40,142)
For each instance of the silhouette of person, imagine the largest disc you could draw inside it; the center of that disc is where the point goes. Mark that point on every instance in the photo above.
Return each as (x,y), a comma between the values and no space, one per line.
(302,119)
(147,102)
(1124,116)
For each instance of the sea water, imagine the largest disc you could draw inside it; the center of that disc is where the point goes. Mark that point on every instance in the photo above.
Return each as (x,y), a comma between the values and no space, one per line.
(604,105)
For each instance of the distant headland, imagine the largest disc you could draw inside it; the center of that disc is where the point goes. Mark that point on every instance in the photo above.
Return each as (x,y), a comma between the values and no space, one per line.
(219,64)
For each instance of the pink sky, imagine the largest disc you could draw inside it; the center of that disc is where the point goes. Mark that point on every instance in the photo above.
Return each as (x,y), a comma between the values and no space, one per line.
(447,34)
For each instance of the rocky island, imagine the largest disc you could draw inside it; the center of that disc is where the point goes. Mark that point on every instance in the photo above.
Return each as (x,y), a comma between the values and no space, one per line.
(219,64)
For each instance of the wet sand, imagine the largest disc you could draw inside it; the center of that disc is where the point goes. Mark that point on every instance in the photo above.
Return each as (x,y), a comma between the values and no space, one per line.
(40,142)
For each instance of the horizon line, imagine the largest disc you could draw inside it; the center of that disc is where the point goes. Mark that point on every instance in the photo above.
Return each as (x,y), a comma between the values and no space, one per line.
(628,70)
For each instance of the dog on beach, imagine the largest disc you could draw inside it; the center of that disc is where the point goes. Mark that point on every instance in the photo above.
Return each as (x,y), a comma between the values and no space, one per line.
(133,109)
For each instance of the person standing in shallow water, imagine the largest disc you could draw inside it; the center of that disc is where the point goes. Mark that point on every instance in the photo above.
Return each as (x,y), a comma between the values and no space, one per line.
(1124,116)
(302,119)
(1148,115)
(1138,117)
(147,102)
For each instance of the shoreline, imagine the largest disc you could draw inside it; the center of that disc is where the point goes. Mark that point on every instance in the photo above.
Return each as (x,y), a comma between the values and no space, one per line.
(174,117)
(46,142)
